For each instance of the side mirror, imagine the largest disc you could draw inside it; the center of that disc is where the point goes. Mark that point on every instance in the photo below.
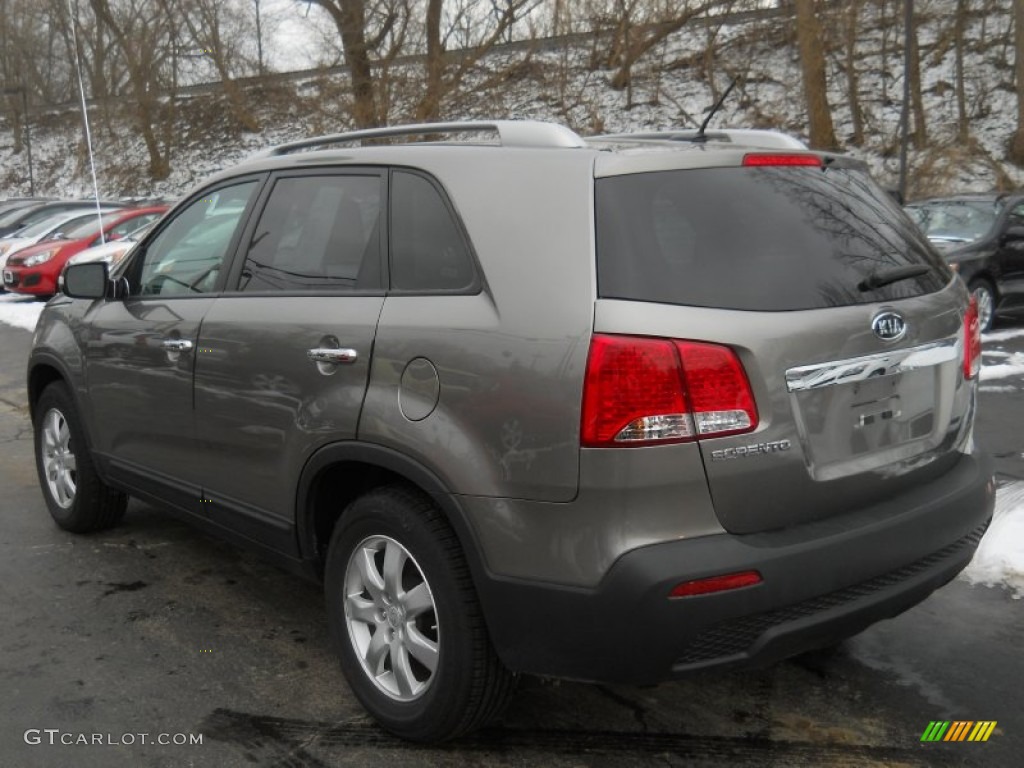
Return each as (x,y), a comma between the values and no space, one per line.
(86,281)
(1013,234)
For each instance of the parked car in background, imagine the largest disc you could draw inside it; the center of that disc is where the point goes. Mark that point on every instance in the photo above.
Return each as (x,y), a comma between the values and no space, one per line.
(34,270)
(16,220)
(50,227)
(982,238)
(19,203)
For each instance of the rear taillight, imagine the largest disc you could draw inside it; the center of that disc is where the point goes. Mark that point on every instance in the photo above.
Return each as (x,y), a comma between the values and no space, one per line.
(760,159)
(648,391)
(972,341)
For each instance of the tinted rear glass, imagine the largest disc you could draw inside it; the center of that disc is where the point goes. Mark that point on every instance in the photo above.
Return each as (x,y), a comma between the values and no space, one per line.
(755,239)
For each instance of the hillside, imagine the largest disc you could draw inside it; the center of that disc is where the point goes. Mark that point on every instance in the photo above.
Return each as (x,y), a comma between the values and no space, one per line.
(671,87)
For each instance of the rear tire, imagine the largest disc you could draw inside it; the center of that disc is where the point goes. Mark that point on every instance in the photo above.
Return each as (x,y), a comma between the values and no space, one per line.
(78,500)
(405,619)
(984,294)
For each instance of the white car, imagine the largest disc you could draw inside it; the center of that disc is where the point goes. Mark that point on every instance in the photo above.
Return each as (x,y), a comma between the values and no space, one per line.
(46,229)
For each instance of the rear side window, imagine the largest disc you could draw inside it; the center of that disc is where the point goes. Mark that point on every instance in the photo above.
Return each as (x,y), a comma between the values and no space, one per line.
(755,239)
(317,233)
(428,252)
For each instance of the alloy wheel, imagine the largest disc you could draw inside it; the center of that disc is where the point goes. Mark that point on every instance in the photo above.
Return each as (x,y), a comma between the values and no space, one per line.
(59,463)
(986,305)
(391,618)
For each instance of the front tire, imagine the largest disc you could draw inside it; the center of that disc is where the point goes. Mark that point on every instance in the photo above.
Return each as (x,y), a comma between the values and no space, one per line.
(406,622)
(984,294)
(78,500)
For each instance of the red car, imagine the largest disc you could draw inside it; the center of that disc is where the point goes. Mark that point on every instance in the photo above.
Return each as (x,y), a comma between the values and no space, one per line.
(35,270)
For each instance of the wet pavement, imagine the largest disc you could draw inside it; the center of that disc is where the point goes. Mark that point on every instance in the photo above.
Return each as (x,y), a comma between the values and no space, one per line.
(156,631)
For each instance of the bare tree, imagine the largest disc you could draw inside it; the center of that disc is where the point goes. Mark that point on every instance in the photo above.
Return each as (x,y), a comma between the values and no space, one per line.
(443,79)
(812,65)
(1017,143)
(205,23)
(139,29)
(641,25)
(916,96)
(959,26)
(364,27)
(852,23)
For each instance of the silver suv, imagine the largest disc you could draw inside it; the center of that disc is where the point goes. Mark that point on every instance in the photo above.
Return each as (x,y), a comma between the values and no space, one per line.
(614,409)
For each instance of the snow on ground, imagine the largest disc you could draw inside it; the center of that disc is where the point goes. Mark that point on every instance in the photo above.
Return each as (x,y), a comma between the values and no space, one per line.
(1013,333)
(1012,366)
(1000,557)
(20,311)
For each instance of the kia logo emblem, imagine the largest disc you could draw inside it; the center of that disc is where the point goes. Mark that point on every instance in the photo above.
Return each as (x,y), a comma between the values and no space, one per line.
(889,326)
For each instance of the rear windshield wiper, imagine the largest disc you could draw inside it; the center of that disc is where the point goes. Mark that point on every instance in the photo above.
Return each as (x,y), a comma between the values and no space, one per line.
(889,276)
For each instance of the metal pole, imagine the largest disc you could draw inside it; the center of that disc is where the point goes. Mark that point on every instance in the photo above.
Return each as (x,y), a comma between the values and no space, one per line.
(908,20)
(28,141)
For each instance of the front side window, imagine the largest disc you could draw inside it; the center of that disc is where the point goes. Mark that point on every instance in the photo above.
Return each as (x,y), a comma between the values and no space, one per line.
(186,257)
(316,233)
(428,252)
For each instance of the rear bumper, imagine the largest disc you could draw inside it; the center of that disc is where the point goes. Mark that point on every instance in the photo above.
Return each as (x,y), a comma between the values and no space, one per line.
(822,582)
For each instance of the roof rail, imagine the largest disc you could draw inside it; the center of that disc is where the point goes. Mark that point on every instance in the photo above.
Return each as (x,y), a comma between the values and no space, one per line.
(511,133)
(744,136)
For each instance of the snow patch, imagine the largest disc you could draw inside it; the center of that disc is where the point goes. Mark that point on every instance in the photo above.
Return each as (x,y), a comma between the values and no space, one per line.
(1017,333)
(1000,556)
(20,311)
(1015,367)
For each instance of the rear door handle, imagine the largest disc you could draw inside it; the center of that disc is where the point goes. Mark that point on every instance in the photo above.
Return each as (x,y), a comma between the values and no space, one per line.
(333,356)
(176,345)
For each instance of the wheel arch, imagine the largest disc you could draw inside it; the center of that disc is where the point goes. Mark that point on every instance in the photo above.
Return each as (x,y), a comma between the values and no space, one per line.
(338,473)
(42,373)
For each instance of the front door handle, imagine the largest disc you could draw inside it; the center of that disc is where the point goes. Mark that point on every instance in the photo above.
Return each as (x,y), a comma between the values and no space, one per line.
(177,345)
(332,356)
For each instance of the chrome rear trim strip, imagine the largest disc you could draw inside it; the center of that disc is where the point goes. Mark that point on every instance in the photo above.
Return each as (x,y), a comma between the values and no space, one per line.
(887,363)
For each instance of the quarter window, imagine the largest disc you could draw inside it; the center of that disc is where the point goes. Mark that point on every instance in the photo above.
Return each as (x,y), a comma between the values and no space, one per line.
(428,252)
(317,233)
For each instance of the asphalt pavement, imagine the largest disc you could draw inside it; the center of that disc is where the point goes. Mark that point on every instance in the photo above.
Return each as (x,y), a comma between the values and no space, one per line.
(154,632)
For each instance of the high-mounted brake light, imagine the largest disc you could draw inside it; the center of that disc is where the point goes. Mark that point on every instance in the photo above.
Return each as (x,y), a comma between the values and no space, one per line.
(649,391)
(756,159)
(716,584)
(972,340)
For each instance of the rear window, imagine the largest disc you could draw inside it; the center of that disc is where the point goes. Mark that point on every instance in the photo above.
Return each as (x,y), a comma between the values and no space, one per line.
(764,239)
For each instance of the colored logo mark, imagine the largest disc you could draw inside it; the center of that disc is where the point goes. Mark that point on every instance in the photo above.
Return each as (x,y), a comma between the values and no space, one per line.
(958,730)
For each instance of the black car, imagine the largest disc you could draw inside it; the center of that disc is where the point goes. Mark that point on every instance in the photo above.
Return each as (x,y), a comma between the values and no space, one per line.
(982,238)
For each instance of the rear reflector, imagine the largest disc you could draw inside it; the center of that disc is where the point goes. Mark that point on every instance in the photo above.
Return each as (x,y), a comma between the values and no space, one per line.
(649,391)
(763,159)
(972,341)
(716,584)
